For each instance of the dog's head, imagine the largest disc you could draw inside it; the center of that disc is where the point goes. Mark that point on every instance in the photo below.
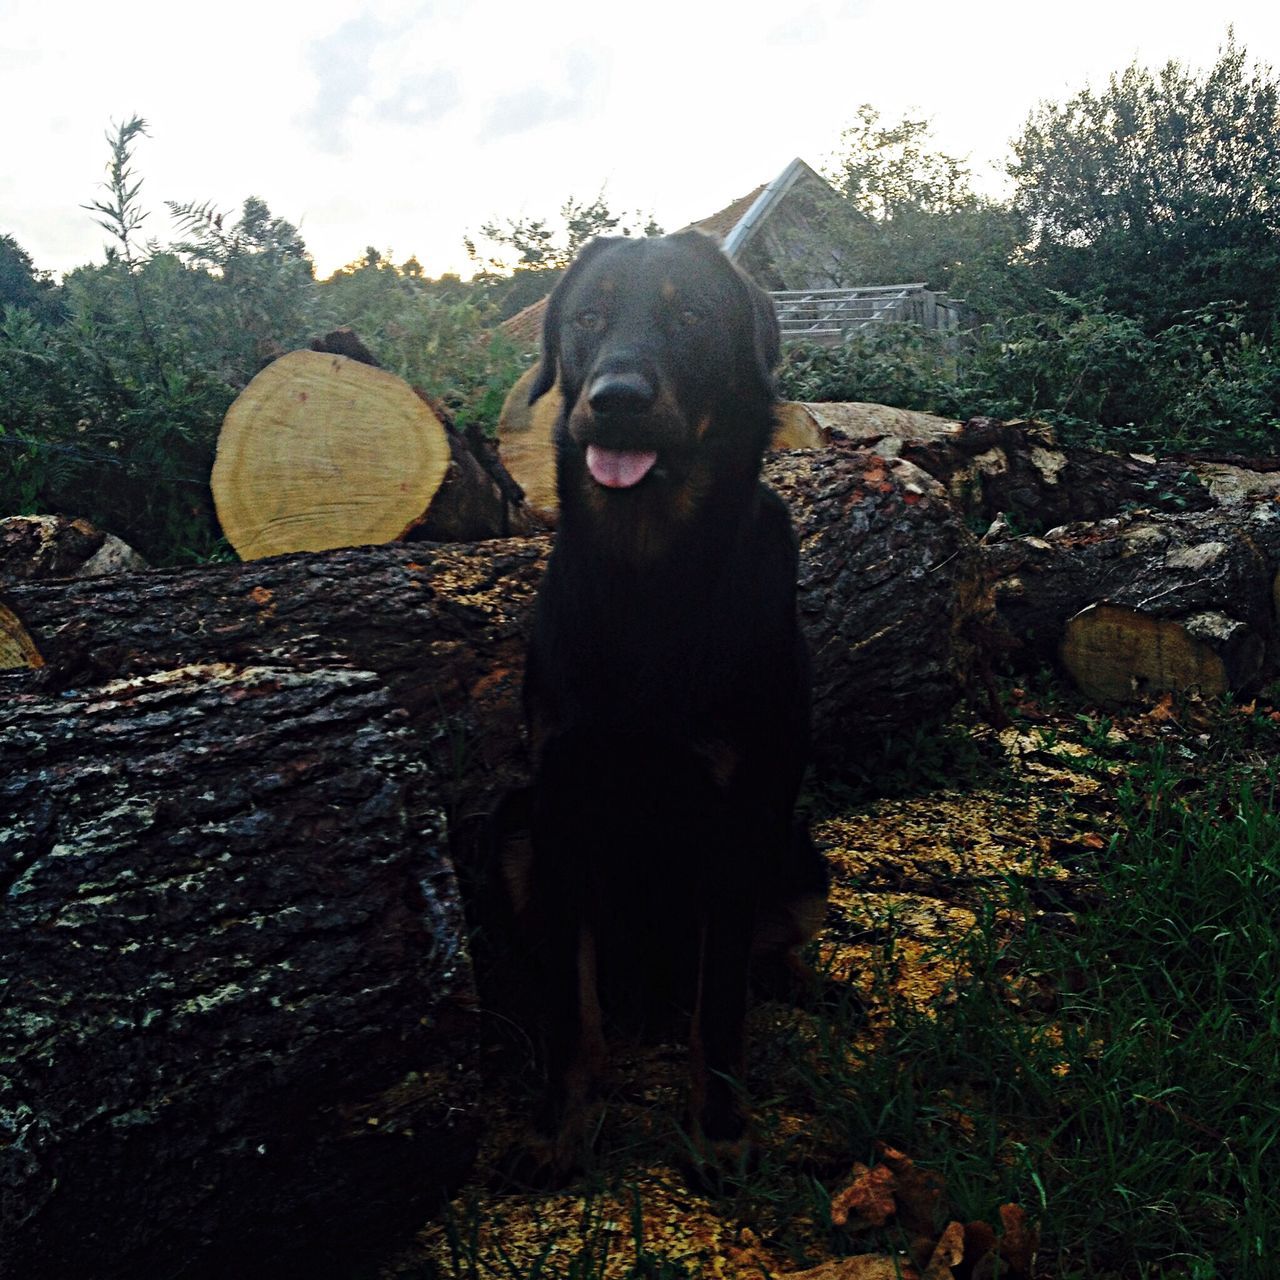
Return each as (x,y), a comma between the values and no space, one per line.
(664,352)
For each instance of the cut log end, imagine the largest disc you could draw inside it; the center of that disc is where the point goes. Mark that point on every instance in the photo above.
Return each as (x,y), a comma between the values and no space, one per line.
(17,649)
(323,451)
(1115,653)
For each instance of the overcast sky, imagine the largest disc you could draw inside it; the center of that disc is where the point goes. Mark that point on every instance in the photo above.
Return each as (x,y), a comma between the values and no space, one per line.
(406,125)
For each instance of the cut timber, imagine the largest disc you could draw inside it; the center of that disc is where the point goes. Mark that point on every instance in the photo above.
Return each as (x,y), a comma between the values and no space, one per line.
(866,423)
(1116,654)
(798,429)
(323,451)
(887,580)
(1207,578)
(525,440)
(891,593)
(17,649)
(60,547)
(525,443)
(443,626)
(236,1014)
(1018,470)
(989,469)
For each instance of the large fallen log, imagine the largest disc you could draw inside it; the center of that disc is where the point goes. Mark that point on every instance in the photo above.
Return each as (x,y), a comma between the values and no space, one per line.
(1146,602)
(988,468)
(236,1020)
(888,587)
(442,626)
(891,597)
(229,1001)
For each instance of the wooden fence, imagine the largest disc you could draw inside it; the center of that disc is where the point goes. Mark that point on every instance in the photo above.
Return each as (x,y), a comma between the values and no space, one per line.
(828,315)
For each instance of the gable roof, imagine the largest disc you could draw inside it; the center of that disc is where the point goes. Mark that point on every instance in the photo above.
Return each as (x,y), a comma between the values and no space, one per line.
(722,223)
(525,327)
(795,174)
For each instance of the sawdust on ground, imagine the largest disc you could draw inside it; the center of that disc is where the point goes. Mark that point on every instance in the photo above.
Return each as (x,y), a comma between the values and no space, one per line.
(910,877)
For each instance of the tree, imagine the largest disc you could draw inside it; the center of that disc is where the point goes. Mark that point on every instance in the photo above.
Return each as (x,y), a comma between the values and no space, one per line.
(908,212)
(538,245)
(888,171)
(21,285)
(525,255)
(264,274)
(1160,194)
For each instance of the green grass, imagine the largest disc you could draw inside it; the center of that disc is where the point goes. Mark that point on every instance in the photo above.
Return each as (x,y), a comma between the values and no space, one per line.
(1139,1115)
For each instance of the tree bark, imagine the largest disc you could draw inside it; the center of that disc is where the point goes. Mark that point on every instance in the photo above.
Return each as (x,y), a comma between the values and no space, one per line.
(892,598)
(1018,471)
(889,585)
(60,547)
(236,1016)
(443,627)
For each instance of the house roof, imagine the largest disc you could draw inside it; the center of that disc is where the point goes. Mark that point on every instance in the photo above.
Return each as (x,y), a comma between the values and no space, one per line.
(733,226)
(769,198)
(525,327)
(722,223)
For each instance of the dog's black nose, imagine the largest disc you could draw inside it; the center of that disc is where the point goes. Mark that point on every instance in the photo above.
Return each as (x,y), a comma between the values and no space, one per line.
(621,393)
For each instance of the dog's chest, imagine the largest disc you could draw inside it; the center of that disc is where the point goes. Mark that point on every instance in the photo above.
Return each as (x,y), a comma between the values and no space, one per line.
(655,654)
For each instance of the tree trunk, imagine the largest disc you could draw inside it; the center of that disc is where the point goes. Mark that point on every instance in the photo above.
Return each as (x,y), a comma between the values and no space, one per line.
(60,547)
(443,626)
(1148,601)
(323,451)
(889,585)
(326,449)
(1018,471)
(236,1017)
(892,597)
(232,935)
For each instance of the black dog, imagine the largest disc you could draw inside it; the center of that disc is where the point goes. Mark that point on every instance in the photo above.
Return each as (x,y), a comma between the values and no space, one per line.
(667,687)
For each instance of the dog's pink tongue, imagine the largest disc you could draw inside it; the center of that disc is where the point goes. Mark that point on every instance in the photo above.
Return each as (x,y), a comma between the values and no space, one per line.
(619,468)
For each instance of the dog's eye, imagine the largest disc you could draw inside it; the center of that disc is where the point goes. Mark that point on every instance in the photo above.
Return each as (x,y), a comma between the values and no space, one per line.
(691,316)
(589,321)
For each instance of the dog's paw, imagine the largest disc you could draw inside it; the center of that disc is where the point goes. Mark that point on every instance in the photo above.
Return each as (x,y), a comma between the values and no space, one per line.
(550,1155)
(722,1166)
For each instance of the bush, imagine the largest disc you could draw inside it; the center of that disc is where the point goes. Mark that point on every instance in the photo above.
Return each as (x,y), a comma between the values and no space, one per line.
(1204,383)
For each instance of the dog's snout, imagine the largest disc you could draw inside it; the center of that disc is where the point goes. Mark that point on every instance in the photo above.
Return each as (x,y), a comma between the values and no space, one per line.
(622,393)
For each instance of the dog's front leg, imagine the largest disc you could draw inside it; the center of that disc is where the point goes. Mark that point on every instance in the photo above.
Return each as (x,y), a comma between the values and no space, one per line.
(716,1049)
(573,1056)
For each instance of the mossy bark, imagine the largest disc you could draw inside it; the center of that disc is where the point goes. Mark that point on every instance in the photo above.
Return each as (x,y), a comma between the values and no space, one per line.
(237,1027)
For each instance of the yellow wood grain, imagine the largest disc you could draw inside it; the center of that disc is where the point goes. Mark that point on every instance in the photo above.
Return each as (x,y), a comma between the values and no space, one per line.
(320,451)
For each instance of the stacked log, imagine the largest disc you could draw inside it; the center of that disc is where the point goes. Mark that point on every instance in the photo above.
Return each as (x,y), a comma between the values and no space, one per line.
(236,989)
(237,1027)
(324,449)
(60,547)
(1146,602)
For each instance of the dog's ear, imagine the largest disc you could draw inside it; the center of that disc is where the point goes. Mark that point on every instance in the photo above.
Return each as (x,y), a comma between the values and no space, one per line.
(549,366)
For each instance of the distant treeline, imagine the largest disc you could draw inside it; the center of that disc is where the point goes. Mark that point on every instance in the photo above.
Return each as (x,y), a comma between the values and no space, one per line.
(1128,291)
